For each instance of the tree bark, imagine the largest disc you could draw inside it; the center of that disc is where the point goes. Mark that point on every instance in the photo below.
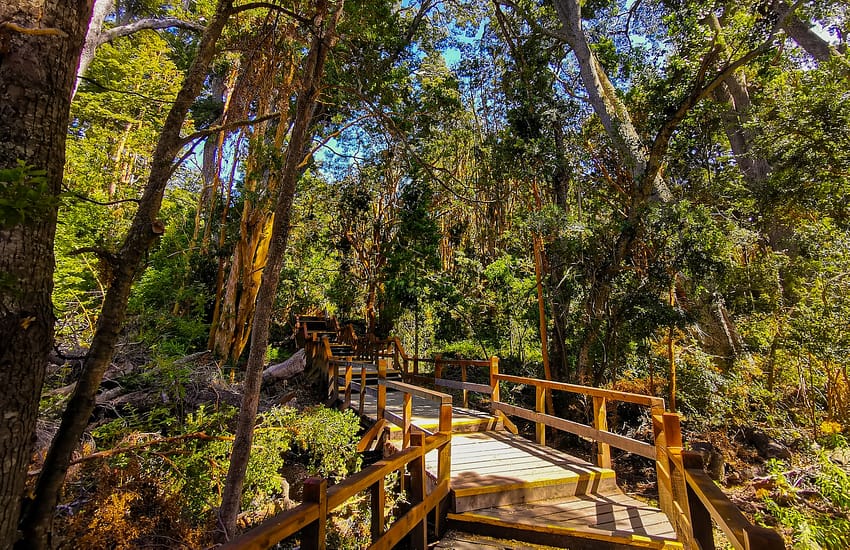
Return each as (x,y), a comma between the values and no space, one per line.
(603,98)
(305,105)
(37,521)
(36,78)
(801,32)
(230,330)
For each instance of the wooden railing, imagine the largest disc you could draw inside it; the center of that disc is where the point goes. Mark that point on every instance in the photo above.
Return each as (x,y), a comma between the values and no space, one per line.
(686,495)
(310,517)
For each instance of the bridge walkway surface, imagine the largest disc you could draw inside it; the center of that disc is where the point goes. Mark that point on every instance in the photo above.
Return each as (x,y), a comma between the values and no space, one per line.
(502,484)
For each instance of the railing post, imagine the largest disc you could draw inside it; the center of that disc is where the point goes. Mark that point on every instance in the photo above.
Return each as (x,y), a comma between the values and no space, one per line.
(419,533)
(494,383)
(762,538)
(406,413)
(463,379)
(362,389)
(662,466)
(313,535)
(382,389)
(378,496)
(438,366)
(700,516)
(600,422)
(444,465)
(348,373)
(681,518)
(540,407)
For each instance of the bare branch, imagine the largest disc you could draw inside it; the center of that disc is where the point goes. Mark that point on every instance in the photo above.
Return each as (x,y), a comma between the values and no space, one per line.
(150,23)
(268,5)
(99,203)
(228,127)
(128,92)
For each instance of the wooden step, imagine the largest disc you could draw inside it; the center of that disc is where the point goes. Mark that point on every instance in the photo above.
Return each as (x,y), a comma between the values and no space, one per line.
(499,468)
(611,520)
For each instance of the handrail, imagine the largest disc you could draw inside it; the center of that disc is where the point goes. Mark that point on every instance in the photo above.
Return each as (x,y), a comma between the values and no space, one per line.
(685,494)
(708,502)
(310,517)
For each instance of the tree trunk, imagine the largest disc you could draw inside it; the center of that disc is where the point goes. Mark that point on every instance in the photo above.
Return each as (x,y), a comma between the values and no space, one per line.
(298,143)
(98,36)
(801,33)
(603,98)
(40,44)
(100,10)
(36,522)
(235,308)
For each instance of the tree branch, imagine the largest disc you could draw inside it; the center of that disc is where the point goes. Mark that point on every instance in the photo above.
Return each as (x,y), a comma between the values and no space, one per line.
(227,127)
(150,23)
(699,92)
(532,21)
(99,203)
(162,440)
(268,5)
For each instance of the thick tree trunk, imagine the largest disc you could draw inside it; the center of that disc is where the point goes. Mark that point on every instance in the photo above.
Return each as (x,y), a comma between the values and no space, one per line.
(36,523)
(298,143)
(603,98)
(40,44)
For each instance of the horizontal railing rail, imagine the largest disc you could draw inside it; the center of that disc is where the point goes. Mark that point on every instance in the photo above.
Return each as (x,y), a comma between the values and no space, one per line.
(310,517)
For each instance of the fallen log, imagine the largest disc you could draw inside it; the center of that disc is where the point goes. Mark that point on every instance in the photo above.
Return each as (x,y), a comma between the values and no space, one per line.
(284,371)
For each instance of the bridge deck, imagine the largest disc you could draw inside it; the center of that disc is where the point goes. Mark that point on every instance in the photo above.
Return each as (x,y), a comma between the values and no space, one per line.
(505,485)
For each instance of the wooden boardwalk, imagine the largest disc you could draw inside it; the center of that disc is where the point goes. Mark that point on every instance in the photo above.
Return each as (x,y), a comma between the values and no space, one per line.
(504,485)
(472,470)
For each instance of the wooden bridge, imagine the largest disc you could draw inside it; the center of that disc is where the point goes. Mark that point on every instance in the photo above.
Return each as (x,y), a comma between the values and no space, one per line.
(468,467)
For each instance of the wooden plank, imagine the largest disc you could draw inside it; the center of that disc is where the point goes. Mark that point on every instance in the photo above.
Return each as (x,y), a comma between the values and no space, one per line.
(431,395)
(621,442)
(613,395)
(404,524)
(406,413)
(600,422)
(371,435)
(556,533)
(728,517)
(540,407)
(275,529)
(466,386)
(365,478)
(416,493)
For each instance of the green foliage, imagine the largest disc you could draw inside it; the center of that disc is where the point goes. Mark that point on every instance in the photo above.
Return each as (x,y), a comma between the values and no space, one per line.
(820,523)
(25,196)
(328,440)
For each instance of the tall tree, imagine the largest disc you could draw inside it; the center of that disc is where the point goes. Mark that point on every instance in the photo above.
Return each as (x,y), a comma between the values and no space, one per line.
(325,19)
(40,45)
